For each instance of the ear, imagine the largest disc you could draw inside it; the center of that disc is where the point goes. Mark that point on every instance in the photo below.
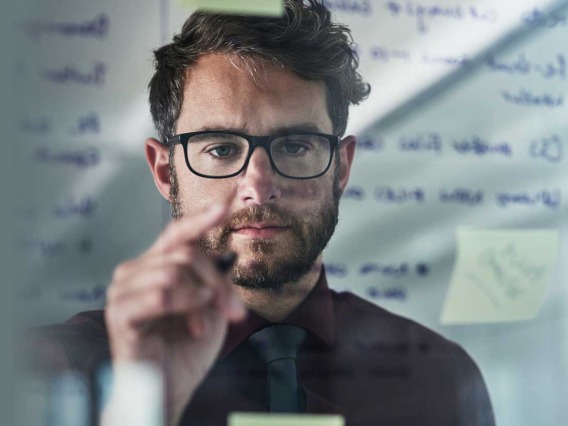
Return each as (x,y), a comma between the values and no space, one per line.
(346,154)
(157,156)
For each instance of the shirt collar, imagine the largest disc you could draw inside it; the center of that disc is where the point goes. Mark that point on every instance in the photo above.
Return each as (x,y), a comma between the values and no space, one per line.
(315,314)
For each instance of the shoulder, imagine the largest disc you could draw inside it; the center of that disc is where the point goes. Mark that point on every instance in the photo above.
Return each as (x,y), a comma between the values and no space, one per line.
(80,343)
(367,325)
(86,326)
(432,370)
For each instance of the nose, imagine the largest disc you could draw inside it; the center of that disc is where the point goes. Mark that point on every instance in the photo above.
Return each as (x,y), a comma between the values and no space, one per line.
(259,182)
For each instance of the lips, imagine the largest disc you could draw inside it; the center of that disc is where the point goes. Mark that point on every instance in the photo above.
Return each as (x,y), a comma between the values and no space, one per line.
(259,230)
(256,225)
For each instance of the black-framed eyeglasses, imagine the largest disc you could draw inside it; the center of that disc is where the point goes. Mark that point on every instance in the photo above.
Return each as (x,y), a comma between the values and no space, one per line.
(223,154)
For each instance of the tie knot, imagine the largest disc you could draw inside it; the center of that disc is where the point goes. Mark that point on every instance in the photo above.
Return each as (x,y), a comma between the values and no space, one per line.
(278,341)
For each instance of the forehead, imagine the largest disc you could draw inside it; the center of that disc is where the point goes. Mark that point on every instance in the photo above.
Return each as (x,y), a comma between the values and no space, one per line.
(225,91)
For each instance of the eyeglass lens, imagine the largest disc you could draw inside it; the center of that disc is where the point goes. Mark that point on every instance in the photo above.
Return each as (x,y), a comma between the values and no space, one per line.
(215,154)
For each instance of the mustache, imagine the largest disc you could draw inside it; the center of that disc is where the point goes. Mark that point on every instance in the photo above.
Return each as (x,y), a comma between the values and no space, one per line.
(254,214)
(215,241)
(274,215)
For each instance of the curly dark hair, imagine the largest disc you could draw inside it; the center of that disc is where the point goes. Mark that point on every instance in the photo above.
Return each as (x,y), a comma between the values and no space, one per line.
(302,40)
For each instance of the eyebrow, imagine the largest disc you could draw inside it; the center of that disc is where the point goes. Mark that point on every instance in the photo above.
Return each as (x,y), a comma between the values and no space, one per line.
(284,130)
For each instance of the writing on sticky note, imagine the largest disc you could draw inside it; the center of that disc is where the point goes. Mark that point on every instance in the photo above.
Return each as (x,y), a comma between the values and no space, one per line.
(244,7)
(258,419)
(499,275)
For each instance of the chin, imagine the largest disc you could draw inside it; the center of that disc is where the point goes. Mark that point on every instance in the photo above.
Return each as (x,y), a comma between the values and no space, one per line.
(269,272)
(256,249)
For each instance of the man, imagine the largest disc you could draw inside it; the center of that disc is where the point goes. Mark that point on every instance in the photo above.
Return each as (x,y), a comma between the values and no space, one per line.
(251,114)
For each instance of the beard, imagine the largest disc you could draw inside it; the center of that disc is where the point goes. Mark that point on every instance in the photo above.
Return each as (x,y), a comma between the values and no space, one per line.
(272,264)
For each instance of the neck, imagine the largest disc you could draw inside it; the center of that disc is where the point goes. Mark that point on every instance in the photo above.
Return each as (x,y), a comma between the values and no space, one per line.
(275,305)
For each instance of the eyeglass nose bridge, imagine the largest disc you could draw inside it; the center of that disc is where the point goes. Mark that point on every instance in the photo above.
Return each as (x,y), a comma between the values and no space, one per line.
(263,142)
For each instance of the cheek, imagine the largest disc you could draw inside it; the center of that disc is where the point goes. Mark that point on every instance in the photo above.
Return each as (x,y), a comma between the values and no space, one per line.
(309,190)
(198,193)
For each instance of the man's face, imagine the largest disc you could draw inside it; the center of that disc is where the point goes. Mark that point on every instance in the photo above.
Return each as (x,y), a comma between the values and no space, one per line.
(278,226)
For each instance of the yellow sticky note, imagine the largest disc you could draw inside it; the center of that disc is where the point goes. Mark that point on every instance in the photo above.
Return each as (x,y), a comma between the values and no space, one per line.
(499,275)
(244,7)
(259,419)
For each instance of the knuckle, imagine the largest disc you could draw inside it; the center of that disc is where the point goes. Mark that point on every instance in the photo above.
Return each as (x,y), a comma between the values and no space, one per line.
(187,254)
(171,276)
(159,300)
(111,293)
(122,270)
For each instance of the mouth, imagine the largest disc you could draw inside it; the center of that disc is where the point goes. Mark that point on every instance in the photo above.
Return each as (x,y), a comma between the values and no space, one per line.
(259,230)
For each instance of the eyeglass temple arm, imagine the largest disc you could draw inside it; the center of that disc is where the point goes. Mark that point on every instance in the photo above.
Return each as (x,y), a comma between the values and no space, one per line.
(172,141)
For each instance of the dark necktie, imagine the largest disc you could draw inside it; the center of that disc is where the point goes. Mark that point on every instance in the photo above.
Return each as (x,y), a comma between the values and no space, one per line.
(277,346)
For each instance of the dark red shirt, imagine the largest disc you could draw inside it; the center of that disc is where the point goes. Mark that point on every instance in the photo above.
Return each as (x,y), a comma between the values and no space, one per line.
(358,360)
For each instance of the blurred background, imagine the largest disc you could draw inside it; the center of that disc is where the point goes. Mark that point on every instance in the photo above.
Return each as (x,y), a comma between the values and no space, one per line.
(460,176)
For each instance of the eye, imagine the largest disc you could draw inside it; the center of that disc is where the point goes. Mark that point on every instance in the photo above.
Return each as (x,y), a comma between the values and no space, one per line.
(223,150)
(293,148)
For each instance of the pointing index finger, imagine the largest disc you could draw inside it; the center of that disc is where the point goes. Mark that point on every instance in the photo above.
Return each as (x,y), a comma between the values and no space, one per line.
(189,229)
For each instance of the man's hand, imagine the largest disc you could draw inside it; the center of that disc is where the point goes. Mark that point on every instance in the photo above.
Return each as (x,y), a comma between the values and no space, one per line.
(171,307)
